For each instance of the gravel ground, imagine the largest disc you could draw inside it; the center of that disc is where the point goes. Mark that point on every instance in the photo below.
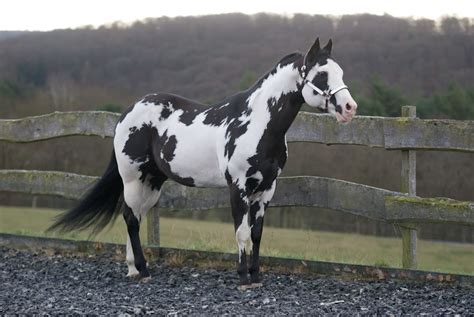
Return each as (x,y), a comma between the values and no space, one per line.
(38,283)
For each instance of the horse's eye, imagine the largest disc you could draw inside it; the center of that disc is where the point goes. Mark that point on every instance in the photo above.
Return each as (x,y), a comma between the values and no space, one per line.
(323,74)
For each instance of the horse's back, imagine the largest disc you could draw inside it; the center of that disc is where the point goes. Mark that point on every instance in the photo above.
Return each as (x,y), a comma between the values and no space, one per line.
(171,132)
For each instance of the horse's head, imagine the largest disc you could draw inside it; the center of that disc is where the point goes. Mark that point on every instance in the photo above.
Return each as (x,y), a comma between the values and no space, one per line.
(323,86)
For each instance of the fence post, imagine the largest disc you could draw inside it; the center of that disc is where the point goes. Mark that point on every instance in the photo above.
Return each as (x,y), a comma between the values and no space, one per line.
(153,227)
(408,185)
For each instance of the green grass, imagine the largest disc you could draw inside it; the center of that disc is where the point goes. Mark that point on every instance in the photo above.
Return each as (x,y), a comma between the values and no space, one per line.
(291,243)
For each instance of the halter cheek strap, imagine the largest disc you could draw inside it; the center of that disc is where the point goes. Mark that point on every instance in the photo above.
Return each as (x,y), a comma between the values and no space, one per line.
(327,94)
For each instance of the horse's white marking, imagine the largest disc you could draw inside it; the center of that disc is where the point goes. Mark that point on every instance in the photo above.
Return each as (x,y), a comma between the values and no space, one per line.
(139,198)
(265,198)
(242,235)
(196,152)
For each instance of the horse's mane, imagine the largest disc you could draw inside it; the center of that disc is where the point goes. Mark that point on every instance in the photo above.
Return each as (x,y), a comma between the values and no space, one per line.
(290,58)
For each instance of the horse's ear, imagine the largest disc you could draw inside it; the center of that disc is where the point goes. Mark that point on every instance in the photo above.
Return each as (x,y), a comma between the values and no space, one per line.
(328,46)
(310,57)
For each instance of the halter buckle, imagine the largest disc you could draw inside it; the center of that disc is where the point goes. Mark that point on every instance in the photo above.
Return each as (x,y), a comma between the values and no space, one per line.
(303,71)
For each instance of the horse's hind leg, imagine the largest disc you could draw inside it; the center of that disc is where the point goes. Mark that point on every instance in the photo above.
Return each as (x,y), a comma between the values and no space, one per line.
(133,242)
(139,198)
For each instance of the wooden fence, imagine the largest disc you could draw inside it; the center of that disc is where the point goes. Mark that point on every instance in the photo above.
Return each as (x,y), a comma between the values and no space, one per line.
(404,209)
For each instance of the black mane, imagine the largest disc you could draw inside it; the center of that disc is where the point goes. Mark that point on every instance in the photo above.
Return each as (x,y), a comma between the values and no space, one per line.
(290,58)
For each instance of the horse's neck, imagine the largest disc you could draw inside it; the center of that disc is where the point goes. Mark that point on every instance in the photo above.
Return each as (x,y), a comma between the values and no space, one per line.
(278,99)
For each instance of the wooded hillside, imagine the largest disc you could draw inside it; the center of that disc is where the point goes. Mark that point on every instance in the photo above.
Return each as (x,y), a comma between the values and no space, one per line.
(387,61)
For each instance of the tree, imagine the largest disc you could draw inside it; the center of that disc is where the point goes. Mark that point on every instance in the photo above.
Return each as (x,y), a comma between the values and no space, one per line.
(455,103)
(382,100)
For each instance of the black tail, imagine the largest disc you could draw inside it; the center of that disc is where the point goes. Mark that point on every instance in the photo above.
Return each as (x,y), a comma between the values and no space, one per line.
(98,206)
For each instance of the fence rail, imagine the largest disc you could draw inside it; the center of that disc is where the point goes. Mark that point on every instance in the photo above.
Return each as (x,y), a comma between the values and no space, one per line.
(388,133)
(298,191)
(401,208)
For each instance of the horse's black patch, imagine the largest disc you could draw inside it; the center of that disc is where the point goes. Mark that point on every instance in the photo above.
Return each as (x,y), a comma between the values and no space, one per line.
(137,147)
(168,148)
(251,185)
(188,115)
(234,131)
(163,148)
(321,82)
(156,178)
(166,112)
(217,115)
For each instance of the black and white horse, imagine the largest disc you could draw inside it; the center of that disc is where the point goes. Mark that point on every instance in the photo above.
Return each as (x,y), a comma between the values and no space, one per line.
(239,142)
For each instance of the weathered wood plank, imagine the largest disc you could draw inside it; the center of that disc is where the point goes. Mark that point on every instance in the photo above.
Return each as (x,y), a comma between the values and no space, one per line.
(59,124)
(322,128)
(67,185)
(407,133)
(390,133)
(416,209)
(305,191)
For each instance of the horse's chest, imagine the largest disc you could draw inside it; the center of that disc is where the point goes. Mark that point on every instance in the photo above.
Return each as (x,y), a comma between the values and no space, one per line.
(255,165)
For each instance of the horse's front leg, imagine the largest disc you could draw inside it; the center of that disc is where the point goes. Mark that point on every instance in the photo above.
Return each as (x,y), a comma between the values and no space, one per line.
(257,212)
(240,207)
(130,259)
(256,224)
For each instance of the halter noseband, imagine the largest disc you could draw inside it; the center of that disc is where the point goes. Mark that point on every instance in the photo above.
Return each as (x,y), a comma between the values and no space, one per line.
(326,94)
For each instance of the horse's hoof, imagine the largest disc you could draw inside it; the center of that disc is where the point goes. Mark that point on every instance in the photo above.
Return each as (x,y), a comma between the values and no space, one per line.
(249,286)
(145,279)
(134,275)
(243,287)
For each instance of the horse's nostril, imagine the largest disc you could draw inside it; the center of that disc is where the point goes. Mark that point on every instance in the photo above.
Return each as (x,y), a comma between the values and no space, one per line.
(348,107)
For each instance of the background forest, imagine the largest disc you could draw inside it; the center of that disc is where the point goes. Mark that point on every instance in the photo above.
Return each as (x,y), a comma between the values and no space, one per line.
(388,62)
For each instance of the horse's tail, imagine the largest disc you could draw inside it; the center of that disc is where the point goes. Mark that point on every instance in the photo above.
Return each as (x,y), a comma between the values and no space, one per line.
(98,206)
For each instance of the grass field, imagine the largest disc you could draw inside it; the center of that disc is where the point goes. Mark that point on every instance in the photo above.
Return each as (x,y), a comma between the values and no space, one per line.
(291,243)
